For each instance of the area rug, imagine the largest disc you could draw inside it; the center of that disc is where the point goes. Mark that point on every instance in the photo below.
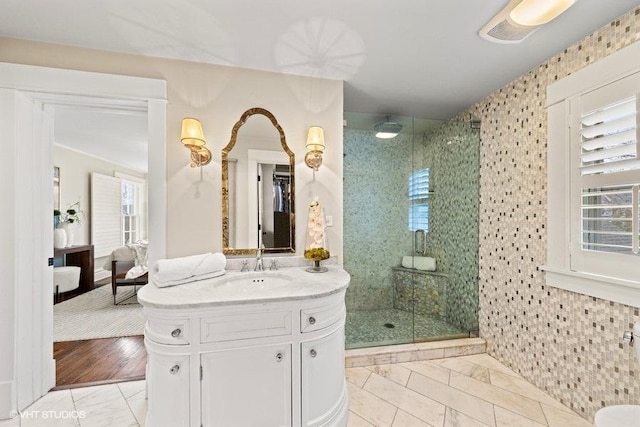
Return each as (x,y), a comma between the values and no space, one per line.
(93,315)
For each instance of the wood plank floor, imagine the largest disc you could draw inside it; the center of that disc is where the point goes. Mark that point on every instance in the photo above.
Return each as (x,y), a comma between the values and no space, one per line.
(99,361)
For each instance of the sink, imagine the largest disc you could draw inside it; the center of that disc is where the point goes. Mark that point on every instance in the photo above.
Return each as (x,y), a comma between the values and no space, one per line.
(251,282)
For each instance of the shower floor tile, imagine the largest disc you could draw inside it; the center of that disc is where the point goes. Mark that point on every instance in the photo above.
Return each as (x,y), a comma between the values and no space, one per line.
(367,328)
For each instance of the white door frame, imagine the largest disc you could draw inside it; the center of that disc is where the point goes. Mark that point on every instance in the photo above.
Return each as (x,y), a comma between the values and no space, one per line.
(27,368)
(254,201)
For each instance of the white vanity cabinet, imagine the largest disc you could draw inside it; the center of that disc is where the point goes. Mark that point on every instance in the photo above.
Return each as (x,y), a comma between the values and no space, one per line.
(247,386)
(168,386)
(323,386)
(267,362)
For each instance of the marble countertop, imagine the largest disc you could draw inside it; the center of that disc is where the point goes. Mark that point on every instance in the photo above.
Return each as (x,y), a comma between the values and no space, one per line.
(235,287)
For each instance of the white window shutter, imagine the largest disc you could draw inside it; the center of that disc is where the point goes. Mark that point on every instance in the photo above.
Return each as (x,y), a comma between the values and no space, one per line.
(106,214)
(605,229)
(609,138)
(594,180)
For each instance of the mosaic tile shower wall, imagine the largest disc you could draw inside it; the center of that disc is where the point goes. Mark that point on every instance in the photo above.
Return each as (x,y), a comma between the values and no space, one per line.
(452,152)
(376,235)
(375,215)
(565,343)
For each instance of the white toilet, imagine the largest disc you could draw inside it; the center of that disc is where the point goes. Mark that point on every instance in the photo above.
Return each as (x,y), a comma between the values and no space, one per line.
(621,415)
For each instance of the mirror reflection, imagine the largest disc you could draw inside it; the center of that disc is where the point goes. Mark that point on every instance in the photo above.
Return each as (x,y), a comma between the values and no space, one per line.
(257,187)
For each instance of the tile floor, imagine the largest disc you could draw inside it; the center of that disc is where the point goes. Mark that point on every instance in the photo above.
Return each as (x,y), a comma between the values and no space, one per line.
(466,391)
(369,328)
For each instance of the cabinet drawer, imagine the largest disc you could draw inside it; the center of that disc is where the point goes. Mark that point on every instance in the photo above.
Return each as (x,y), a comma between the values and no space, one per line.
(316,318)
(168,331)
(234,326)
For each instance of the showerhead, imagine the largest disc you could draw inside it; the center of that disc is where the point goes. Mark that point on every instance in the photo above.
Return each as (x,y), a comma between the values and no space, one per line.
(387,130)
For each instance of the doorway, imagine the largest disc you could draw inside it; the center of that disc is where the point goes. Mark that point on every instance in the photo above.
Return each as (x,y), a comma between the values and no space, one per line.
(100,154)
(28,127)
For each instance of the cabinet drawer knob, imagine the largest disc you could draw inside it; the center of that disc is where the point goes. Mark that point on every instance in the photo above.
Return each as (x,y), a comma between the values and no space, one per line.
(313,353)
(176,333)
(312,320)
(174,369)
(279,357)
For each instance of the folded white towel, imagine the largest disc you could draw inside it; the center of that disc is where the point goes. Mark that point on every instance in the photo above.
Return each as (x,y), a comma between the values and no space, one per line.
(189,279)
(419,263)
(169,272)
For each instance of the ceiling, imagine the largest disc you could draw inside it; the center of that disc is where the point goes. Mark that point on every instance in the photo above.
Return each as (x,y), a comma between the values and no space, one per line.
(115,135)
(402,58)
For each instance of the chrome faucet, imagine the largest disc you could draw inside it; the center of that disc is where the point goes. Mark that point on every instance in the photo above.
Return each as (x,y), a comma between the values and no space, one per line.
(259,262)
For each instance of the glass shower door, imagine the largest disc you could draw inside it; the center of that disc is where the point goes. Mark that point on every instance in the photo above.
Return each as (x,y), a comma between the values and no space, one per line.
(406,231)
(376,235)
(445,270)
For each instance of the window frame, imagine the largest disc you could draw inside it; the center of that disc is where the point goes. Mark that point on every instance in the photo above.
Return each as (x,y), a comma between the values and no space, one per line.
(132,226)
(418,199)
(139,206)
(599,275)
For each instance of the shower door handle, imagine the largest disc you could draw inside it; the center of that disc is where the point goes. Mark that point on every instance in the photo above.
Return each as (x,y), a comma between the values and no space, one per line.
(420,242)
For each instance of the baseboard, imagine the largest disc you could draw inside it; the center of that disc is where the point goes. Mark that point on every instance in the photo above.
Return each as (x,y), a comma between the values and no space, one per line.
(414,352)
(101,273)
(97,383)
(51,381)
(7,400)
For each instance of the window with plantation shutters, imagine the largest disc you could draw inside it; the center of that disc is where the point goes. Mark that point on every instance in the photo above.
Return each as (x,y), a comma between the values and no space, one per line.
(419,200)
(609,186)
(609,138)
(605,179)
(593,179)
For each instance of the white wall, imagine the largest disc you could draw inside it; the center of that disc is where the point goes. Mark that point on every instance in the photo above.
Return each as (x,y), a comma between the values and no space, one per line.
(75,184)
(196,194)
(218,96)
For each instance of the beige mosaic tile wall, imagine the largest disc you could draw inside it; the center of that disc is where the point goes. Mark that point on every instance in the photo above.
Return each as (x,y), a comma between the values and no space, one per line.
(565,343)
(452,152)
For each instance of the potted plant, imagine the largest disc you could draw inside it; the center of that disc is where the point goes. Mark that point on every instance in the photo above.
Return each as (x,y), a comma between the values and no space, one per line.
(66,221)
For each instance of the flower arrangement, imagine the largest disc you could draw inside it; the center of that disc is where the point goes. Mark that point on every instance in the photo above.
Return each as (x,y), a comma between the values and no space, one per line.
(316,254)
(73,214)
(316,244)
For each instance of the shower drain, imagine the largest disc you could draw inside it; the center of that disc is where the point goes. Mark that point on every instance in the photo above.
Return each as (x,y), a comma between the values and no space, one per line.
(389,325)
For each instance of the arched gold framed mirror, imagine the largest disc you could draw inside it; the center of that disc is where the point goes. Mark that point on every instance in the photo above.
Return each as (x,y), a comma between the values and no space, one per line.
(258,187)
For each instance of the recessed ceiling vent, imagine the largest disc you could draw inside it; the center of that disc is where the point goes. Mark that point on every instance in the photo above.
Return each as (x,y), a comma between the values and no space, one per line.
(506,32)
(521,18)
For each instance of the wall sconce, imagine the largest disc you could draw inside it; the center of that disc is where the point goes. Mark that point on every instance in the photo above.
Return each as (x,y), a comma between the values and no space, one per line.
(315,147)
(193,138)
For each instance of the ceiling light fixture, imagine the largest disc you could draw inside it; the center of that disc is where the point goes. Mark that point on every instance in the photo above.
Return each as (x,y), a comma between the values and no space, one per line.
(521,18)
(538,12)
(388,129)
